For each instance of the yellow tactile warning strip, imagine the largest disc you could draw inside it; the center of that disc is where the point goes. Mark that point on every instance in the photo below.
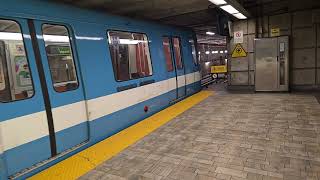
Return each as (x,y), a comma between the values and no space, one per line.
(86,160)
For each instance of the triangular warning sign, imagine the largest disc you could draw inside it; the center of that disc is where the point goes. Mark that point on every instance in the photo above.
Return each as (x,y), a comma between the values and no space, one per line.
(238,51)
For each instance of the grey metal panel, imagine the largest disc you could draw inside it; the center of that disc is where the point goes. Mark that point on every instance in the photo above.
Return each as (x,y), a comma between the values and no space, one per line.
(282,21)
(239,78)
(302,4)
(318,33)
(263,35)
(284,32)
(239,64)
(265,25)
(318,57)
(251,61)
(304,38)
(252,74)
(318,76)
(266,64)
(251,26)
(316,16)
(304,58)
(303,76)
(250,42)
(241,26)
(302,19)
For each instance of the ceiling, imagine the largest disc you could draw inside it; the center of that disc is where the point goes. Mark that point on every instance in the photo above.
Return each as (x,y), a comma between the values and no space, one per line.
(201,15)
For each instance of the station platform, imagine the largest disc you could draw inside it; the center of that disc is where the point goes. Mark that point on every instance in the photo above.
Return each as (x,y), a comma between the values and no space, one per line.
(209,136)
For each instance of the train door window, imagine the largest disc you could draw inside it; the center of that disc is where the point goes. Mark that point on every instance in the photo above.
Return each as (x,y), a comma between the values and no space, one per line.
(167,53)
(130,55)
(60,57)
(194,51)
(177,52)
(15,76)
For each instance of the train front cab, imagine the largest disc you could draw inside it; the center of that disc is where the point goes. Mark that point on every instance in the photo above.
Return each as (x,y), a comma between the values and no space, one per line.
(44,104)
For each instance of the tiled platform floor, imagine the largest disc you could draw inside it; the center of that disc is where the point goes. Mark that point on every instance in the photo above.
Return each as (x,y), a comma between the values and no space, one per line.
(228,136)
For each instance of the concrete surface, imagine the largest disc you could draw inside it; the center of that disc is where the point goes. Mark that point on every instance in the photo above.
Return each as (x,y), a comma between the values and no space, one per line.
(228,136)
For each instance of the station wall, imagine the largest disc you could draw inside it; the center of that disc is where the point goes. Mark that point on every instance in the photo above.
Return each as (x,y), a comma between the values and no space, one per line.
(303,29)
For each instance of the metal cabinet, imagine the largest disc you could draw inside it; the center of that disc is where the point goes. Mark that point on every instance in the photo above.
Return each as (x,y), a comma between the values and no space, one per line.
(272,64)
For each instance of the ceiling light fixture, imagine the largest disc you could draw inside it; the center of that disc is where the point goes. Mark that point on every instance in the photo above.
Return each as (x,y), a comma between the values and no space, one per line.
(230,9)
(239,16)
(218,2)
(210,33)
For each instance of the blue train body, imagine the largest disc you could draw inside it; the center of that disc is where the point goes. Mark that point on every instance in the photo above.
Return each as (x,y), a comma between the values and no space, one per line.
(95,110)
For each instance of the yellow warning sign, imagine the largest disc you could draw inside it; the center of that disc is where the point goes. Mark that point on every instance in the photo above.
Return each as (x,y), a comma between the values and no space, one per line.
(239,51)
(219,69)
(275,32)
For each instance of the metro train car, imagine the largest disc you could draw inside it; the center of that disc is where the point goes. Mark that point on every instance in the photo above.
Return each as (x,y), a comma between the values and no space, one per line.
(70,78)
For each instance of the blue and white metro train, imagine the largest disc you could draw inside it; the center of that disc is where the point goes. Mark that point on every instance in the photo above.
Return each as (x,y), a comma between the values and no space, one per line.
(70,78)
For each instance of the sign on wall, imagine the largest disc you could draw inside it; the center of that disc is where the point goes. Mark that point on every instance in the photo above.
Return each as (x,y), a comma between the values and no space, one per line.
(275,32)
(219,69)
(239,51)
(238,37)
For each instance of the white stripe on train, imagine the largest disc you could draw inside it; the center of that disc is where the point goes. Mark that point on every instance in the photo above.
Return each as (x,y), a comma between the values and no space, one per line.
(17,131)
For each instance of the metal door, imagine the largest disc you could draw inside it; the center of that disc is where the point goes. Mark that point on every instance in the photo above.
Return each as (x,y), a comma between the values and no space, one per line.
(66,105)
(266,52)
(179,67)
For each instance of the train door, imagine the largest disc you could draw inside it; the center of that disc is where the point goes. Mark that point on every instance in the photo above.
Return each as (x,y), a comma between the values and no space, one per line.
(179,67)
(24,139)
(65,98)
(171,72)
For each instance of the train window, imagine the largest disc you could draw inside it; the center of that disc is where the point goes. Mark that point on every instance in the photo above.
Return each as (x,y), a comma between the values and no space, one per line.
(60,57)
(194,52)
(167,53)
(177,53)
(15,76)
(130,55)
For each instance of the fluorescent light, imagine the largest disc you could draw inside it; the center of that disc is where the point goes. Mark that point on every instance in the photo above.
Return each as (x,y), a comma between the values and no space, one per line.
(225,51)
(55,38)
(89,38)
(130,41)
(229,9)
(10,36)
(210,33)
(207,63)
(221,52)
(207,52)
(218,2)
(239,16)
(199,52)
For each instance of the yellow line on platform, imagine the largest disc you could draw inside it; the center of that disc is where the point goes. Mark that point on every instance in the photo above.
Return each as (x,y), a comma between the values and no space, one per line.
(86,160)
